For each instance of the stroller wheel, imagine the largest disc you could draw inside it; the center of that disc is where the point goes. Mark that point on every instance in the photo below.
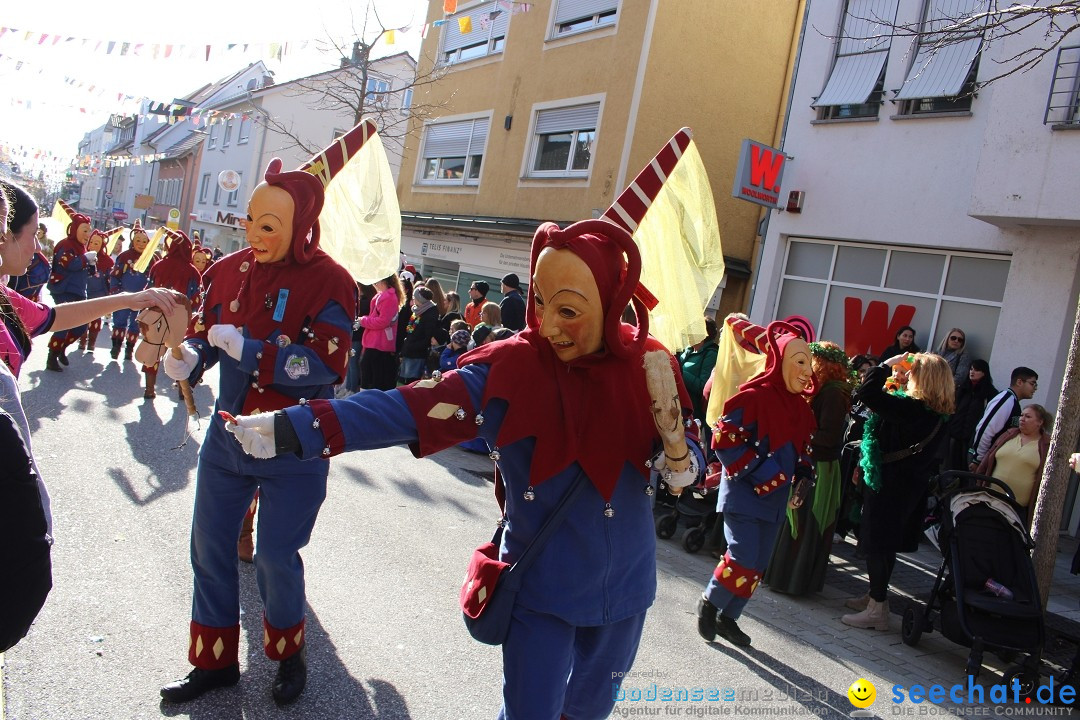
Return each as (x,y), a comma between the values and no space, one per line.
(1028,684)
(911,628)
(666,526)
(693,539)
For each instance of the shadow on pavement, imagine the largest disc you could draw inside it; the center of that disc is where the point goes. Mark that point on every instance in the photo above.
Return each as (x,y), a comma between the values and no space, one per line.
(155,446)
(331,692)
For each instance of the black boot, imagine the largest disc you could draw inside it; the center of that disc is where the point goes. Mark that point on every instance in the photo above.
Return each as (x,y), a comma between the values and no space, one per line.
(291,677)
(52,363)
(729,630)
(61,355)
(706,619)
(129,351)
(199,681)
(116,343)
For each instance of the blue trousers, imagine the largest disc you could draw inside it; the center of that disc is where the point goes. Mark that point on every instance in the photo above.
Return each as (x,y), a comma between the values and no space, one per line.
(552,668)
(123,321)
(750,543)
(291,492)
(62,338)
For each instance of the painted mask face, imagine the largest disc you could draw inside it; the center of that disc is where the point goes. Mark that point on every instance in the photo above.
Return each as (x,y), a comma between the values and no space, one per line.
(796,367)
(82,233)
(94,243)
(199,261)
(139,240)
(269,223)
(568,304)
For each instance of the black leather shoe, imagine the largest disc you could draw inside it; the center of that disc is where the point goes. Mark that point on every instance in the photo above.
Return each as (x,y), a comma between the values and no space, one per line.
(200,681)
(729,630)
(706,619)
(291,678)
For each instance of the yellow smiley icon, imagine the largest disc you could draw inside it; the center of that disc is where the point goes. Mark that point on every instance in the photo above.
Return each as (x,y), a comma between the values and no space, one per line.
(862,693)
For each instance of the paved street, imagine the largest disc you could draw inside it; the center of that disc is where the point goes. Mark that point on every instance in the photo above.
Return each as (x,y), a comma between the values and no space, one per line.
(383,569)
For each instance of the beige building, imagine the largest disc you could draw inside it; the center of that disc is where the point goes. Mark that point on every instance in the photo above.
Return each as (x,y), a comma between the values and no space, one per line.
(548,115)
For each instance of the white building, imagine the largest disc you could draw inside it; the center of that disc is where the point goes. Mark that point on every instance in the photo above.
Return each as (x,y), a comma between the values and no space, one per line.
(925,205)
(246,144)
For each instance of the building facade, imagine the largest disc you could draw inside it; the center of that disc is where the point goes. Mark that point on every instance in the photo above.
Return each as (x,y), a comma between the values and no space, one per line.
(928,200)
(549,114)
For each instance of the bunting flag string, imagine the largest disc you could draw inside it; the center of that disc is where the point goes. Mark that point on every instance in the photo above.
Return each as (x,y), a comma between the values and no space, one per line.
(467,23)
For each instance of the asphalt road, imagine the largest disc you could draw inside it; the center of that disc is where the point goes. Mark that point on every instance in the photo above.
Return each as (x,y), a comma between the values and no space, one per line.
(384,568)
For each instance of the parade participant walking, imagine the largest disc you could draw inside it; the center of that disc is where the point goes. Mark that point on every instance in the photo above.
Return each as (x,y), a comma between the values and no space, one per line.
(97,284)
(276,319)
(125,278)
(175,272)
(564,407)
(71,265)
(763,441)
(29,284)
(802,550)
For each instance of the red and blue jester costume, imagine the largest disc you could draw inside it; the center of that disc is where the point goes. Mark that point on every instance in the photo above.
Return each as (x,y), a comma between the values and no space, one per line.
(763,442)
(289,326)
(547,419)
(174,271)
(67,283)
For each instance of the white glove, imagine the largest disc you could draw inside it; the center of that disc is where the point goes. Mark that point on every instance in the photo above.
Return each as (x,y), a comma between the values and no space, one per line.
(676,479)
(255,433)
(228,338)
(91,257)
(180,368)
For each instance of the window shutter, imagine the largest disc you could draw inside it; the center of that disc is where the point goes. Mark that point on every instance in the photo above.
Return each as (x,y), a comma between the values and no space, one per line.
(575,9)
(861,52)
(453,38)
(453,139)
(577,117)
(940,72)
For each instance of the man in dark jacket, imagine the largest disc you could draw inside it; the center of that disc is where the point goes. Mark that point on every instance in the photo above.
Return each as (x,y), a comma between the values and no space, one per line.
(1002,413)
(513,304)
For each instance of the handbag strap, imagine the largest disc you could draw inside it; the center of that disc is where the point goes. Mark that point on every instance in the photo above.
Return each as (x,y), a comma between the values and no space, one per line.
(532,550)
(916,448)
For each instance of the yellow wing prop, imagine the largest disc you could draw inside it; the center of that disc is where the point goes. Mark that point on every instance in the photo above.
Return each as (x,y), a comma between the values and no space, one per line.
(735,364)
(669,210)
(148,253)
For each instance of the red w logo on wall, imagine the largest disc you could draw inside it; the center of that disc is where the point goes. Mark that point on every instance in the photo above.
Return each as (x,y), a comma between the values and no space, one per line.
(765,167)
(759,174)
(873,331)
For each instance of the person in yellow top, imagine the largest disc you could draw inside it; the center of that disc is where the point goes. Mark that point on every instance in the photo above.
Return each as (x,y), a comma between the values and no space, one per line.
(1018,456)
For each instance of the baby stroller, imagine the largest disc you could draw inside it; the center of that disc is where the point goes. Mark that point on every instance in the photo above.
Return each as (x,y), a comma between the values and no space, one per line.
(983,544)
(696,506)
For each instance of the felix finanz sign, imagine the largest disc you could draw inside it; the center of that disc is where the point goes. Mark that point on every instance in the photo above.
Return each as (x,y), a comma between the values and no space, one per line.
(759,174)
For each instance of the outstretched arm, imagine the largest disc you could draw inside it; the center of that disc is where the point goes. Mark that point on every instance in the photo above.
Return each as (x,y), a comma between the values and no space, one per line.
(69,315)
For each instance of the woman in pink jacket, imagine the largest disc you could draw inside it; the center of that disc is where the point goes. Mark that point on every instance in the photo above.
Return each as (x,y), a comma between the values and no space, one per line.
(378,364)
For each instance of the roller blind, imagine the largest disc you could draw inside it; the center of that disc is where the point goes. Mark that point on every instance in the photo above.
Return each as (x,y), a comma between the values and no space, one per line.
(577,117)
(456,139)
(574,9)
(453,38)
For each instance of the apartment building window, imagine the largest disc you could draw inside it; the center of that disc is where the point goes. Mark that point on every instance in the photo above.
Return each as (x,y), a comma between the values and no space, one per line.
(245,131)
(476,33)
(406,101)
(211,141)
(204,187)
(574,16)
(1063,104)
(233,197)
(228,133)
(217,194)
(857,80)
(377,92)
(563,141)
(942,75)
(454,152)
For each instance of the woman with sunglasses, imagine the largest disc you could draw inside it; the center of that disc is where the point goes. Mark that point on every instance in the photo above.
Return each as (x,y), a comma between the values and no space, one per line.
(953,348)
